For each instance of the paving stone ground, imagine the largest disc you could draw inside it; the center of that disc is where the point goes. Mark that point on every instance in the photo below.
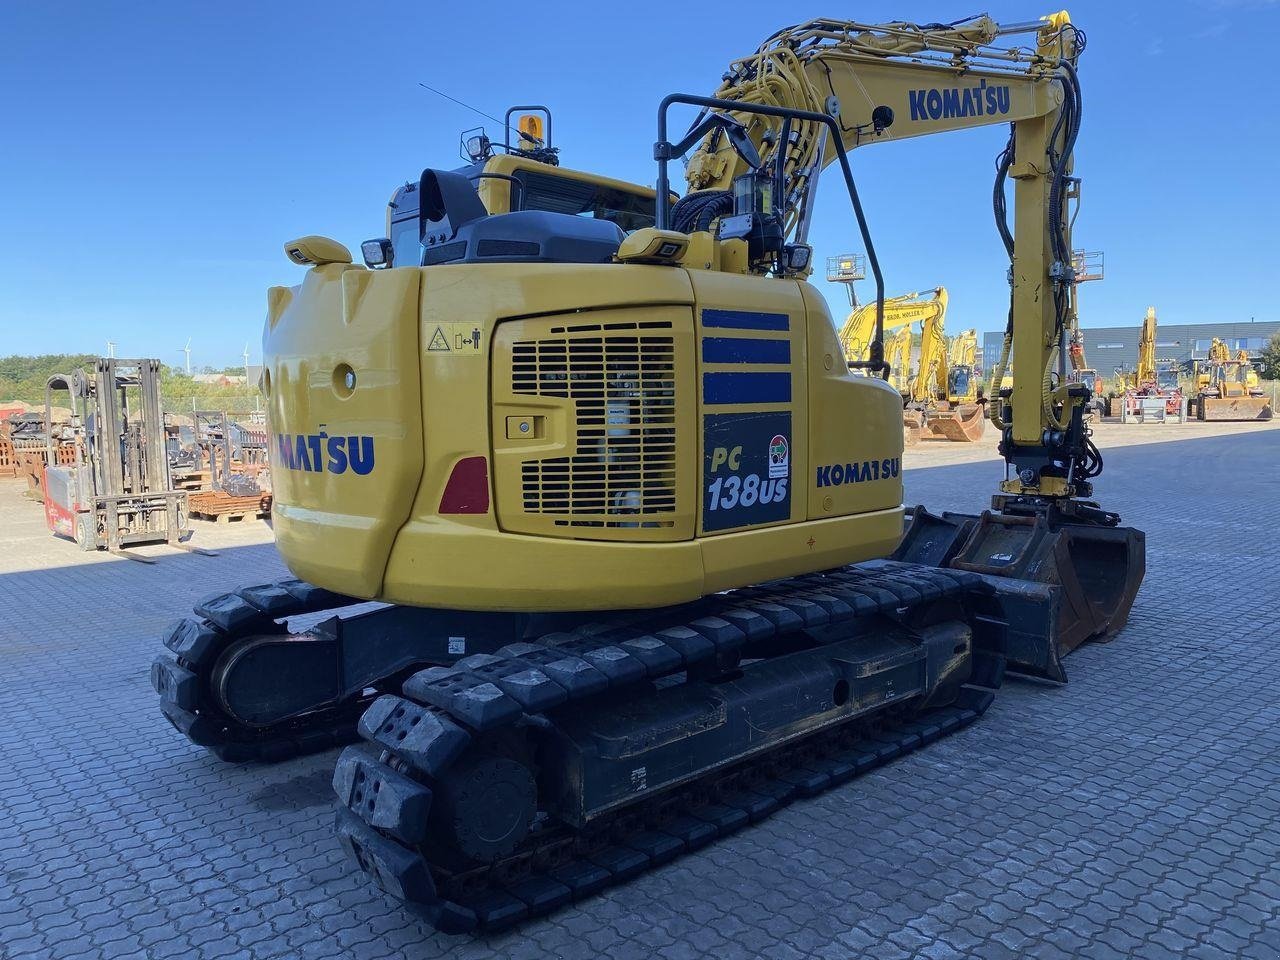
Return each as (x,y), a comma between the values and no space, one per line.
(1134,812)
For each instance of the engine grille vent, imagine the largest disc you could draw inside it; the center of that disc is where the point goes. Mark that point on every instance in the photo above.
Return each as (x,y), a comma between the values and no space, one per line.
(621,378)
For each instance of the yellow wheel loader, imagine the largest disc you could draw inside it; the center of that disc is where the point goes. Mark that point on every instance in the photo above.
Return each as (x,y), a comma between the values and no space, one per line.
(637,525)
(1226,387)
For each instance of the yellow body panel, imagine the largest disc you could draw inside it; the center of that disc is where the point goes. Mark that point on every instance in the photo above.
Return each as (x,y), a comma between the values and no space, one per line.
(442,374)
(334,524)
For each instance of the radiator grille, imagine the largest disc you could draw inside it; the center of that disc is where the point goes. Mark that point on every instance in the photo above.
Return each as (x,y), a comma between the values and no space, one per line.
(621,379)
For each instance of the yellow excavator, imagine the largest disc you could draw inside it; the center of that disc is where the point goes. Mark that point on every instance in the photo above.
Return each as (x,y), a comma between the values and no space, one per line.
(636,525)
(897,354)
(902,313)
(1228,388)
(958,413)
(1151,377)
(927,402)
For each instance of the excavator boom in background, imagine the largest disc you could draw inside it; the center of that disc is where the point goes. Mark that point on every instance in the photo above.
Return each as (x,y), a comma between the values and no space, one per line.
(636,521)
(1151,377)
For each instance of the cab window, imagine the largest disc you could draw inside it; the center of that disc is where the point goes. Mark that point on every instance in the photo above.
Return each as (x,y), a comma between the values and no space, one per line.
(554,194)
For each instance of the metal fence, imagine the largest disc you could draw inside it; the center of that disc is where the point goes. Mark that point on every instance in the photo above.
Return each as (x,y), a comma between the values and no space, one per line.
(246,405)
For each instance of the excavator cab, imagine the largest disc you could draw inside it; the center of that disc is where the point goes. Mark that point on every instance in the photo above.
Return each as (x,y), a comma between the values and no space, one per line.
(962,384)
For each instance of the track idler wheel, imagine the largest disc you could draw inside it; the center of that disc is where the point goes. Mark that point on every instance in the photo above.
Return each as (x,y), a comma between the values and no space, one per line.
(482,810)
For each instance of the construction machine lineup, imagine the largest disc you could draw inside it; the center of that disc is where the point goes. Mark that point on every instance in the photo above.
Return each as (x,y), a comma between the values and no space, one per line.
(634,506)
(1219,387)
(944,398)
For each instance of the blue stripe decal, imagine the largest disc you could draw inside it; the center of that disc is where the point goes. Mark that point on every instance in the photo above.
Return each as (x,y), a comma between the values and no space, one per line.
(743,320)
(722,388)
(741,350)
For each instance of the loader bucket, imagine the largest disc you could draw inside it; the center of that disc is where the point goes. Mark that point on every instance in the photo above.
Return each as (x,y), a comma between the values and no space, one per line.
(1234,408)
(1085,574)
(963,424)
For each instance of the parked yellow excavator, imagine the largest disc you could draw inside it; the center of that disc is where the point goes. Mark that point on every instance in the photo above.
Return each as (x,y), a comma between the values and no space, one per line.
(897,354)
(929,406)
(637,526)
(902,313)
(958,413)
(1151,377)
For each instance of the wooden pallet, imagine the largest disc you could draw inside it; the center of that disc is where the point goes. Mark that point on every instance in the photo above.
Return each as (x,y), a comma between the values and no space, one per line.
(221,508)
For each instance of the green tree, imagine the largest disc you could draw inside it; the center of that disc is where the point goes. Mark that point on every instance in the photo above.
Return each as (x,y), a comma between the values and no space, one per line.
(1270,358)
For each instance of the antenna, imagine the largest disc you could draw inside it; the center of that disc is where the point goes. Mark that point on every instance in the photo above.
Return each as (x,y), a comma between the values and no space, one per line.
(505,126)
(187,350)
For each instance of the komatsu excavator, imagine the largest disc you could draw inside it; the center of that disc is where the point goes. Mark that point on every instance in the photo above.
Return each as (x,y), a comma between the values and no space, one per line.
(1151,377)
(958,413)
(929,403)
(902,313)
(897,354)
(637,526)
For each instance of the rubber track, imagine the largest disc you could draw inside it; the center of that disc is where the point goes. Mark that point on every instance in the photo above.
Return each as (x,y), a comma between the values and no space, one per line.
(384,790)
(182,678)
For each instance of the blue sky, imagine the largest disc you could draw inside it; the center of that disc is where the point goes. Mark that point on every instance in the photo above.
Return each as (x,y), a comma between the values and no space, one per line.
(156,156)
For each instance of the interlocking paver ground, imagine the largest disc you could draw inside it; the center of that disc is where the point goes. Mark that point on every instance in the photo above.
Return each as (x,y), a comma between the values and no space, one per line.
(1132,813)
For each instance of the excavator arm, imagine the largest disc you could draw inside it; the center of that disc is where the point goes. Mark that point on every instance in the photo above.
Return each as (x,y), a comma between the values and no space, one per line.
(1146,372)
(858,333)
(931,375)
(896,81)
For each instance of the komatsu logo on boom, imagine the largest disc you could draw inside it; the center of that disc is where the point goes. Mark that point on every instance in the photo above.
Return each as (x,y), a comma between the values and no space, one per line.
(318,452)
(943,104)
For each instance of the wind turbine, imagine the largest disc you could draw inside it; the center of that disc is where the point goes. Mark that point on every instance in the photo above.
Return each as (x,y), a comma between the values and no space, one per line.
(111,348)
(246,362)
(187,351)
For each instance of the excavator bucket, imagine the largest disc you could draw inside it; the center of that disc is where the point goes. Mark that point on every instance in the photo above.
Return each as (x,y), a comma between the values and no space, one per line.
(1234,408)
(1088,572)
(960,424)
(912,427)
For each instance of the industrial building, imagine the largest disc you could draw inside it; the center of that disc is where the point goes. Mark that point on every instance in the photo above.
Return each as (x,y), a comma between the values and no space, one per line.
(1107,349)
